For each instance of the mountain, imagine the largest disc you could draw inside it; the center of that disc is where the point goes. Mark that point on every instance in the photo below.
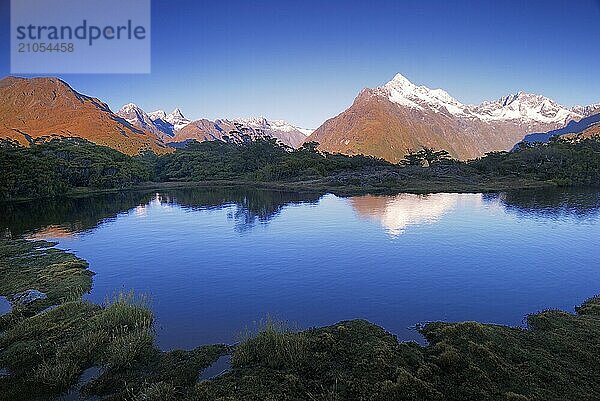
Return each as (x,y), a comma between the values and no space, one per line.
(241,131)
(138,118)
(587,111)
(32,108)
(389,120)
(594,130)
(175,129)
(161,124)
(169,123)
(285,132)
(573,127)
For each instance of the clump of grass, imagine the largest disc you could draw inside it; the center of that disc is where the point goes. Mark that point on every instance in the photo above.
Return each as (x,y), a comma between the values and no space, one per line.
(127,322)
(274,345)
(49,351)
(46,353)
(128,349)
(57,373)
(125,312)
(160,391)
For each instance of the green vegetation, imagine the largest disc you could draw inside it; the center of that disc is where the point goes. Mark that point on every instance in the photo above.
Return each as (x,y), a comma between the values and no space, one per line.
(564,162)
(257,161)
(555,358)
(69,166)
(54,167)
(36,265)
(274,346)
(47,344)
(45,351)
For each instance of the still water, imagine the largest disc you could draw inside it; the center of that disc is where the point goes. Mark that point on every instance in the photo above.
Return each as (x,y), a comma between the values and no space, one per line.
(216,260)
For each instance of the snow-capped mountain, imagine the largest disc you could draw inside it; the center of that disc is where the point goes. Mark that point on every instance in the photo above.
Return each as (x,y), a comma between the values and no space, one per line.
(177,118)
(169,123)
(282,130)
(137,117)
(521,106)
(158,122)
(587,111)
(242,130)
(389,120)
(175,127)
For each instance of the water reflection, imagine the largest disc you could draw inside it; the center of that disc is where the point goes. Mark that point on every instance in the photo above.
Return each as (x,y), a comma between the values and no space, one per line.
(550,203)
(213,265)
(61,218)
(250,205)
(396,213)
(65,216)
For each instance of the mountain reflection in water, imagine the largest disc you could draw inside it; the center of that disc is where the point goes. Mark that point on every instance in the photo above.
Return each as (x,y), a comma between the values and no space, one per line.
(396,213)
(214,260)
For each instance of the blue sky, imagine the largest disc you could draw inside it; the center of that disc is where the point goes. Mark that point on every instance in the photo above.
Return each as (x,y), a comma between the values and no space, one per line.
(305,61)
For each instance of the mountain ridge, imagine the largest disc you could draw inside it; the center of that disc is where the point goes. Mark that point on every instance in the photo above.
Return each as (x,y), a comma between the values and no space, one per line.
(43,108)
(176,128)
(389,120)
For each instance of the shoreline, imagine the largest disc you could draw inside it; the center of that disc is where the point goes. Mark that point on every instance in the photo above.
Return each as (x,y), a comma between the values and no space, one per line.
(322,186)
(264,352)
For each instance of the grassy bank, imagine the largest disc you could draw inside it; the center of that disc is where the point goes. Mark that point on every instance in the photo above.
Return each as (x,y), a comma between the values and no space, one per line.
(556,357)
(45,350)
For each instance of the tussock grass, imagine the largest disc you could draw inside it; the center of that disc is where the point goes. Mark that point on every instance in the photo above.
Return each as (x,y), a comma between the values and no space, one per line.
(274,344)
(46,353)
(125,312)
(160,391)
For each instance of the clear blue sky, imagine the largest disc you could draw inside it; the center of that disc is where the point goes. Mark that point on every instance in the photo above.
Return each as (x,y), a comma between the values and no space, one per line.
(305,61)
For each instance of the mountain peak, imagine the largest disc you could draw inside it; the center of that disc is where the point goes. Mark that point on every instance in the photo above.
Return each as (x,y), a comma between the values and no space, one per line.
(177,119)
(129,107)
(400,81)
(404,93)
(177,113)
(42,107)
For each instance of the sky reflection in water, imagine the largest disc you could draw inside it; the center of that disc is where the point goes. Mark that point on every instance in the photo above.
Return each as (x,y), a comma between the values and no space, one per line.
(215,261)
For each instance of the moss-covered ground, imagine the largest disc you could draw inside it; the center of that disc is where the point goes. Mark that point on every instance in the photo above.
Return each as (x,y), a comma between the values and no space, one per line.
(45,350)
(555,357)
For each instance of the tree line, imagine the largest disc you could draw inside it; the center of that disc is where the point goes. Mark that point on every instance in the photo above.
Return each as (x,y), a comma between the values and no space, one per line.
(55,167)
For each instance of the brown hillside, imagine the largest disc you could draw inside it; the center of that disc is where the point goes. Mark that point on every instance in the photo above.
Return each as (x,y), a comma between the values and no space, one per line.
(48,107)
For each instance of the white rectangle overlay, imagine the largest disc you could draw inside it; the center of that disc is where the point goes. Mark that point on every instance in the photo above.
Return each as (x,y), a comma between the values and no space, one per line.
(80,36)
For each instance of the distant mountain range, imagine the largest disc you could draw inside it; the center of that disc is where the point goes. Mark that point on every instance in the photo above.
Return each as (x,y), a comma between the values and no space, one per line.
(158,122)
(33,108)
(174,128)
(242,130)
(384,122)
(389,120)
